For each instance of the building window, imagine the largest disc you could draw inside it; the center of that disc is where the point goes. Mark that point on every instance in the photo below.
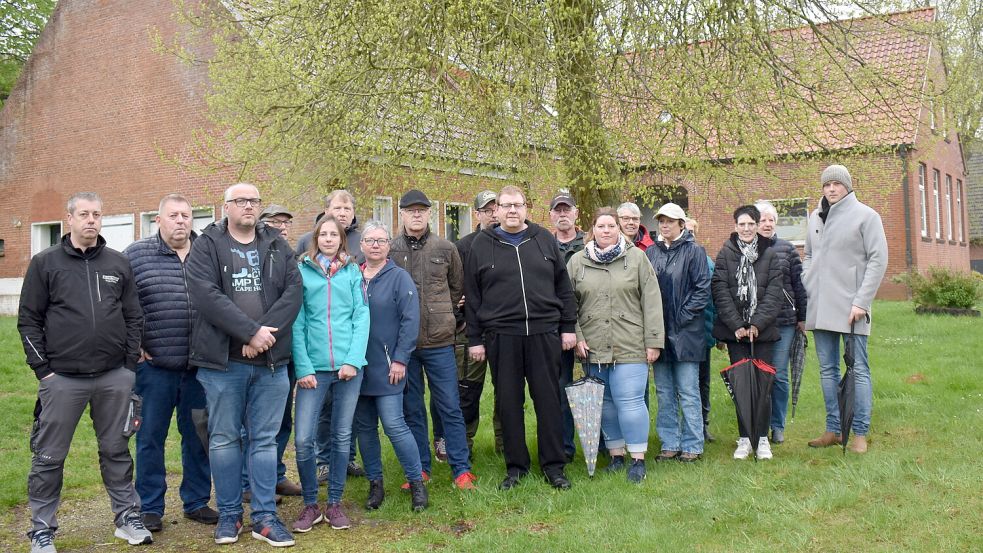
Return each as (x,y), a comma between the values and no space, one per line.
(921,191)
(959,209)
(118,231)
(435,218)
(793,219)
(382,211)
(2,248)
(948,206)
(44,235)
(457,221)
(201,218)
(938,210)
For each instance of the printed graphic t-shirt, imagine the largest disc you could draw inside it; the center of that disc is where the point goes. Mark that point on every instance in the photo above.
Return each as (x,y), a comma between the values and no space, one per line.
(247,291)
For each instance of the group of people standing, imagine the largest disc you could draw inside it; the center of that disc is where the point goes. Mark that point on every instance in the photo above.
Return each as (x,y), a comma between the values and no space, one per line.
(232,327)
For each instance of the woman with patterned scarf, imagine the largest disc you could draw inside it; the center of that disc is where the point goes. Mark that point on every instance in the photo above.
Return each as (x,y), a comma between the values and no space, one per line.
(747,291)
(331,334)
(619,332)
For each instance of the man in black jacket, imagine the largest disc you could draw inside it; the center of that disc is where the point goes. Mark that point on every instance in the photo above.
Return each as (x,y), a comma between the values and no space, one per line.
(521,313)
(80,322)
(247,292)
(165,381)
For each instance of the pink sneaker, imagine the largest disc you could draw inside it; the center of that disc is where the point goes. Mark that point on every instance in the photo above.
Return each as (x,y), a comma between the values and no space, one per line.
(337,518)
(309,516)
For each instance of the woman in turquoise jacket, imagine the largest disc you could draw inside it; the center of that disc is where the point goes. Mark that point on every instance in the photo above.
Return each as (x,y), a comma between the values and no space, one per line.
(331,334)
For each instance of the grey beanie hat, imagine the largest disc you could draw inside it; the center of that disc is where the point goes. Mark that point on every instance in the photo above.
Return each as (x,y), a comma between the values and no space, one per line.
(838,173)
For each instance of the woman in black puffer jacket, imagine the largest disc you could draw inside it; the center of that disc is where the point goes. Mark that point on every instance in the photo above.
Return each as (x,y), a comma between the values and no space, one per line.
(747,291)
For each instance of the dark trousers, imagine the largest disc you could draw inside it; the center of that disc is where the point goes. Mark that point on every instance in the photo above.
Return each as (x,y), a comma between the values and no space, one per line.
(163,391)
(705,387)
(470,384)
(566,377)
(514,361)
(765,352)
(61,402)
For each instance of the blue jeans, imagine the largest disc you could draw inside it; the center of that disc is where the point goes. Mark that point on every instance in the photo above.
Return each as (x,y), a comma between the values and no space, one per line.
(163,390)
(390,410)
(624,416)
(828,350)
(282,436)
(677,387)
(441,368)
(252,397)
(779,390)
(307,413)
(324,434)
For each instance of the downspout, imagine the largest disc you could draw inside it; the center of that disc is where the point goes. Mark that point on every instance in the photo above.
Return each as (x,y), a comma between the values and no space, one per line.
(906,191)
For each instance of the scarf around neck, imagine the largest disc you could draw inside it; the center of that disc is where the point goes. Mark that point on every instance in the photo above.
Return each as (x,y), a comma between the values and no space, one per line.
(607,255)
(331,266)
(747,281)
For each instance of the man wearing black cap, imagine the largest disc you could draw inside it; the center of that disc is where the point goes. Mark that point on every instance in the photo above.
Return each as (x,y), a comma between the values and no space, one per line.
(570,239)
(436,269)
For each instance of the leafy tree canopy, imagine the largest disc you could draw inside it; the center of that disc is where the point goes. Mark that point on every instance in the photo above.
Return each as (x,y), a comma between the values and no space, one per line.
(21,22)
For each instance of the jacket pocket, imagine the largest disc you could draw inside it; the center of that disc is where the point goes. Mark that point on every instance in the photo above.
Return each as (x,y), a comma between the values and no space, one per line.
(437,267)
(440,322)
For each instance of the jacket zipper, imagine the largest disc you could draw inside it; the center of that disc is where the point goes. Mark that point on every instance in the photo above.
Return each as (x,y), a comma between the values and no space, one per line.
(330,332)
(262,296)
(187,294)
(92,304)
(98,289)
(522,281)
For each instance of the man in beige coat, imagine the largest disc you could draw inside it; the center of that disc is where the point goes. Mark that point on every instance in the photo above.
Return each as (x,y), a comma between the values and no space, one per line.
(846,257)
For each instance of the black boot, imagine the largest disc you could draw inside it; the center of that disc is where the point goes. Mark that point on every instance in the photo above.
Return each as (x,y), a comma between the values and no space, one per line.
(376,495)
(418,495)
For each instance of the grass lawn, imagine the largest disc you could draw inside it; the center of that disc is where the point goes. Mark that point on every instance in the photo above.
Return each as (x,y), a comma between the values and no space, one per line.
(919,488)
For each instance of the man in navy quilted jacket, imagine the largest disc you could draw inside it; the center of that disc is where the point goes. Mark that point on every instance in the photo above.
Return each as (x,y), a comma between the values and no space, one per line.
(164,378)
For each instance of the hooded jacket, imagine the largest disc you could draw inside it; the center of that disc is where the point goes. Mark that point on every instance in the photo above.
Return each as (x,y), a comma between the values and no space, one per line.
(79,312)
(218,318)
(846,258)
(517,290)
(435,266)
(685,284)
(619,306)
(332,327)
(769,269)
(643,240)
(395,312)
(162,282)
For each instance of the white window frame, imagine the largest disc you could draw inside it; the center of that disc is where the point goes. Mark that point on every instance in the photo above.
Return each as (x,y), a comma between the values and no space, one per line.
(464,224)
(121,220)
(959,208)
(37,234)
(936,177)
(148,227)
(435,219)
(922,177)
(778,203)
(948,206)
(382,211)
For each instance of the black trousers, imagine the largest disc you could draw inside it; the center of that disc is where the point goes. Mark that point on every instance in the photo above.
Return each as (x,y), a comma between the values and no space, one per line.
(514,361)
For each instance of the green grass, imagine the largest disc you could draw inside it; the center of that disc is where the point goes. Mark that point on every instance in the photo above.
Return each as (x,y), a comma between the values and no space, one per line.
(918,489)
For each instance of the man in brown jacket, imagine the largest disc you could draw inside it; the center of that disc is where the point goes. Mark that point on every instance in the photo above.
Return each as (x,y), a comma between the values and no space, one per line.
(436,269)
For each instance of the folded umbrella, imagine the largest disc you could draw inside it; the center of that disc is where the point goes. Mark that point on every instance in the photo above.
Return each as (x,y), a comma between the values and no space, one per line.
(797,363)
(586,398)
(749,384)
(847,391)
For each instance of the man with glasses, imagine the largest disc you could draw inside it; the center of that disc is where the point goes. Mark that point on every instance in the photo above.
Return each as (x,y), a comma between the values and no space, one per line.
(570,239)
(246,289)
(521,314)
(435,266)
(630,221)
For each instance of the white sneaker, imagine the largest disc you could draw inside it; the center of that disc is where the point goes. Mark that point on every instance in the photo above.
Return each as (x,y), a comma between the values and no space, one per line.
(764,449)
(743,448)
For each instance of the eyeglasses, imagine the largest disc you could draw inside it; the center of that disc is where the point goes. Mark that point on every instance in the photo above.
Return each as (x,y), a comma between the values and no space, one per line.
(509,207)
(375,241)
(416,212)
(486,211)
(241,202)
(279,222)
(628,219)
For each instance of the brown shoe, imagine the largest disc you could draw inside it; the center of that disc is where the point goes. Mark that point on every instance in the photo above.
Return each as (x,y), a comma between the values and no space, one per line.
(286,487)
(826,440)
(858,444)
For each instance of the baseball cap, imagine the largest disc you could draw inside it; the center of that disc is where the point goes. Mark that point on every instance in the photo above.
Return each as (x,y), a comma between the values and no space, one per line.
(562,198)
(484,198)
(274,209)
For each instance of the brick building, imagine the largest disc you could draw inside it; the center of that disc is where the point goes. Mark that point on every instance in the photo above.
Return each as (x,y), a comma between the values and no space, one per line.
(914,174)
(974,201)
(96,108)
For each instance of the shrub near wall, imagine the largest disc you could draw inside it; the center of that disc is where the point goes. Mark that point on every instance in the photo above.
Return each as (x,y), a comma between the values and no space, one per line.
(944,290)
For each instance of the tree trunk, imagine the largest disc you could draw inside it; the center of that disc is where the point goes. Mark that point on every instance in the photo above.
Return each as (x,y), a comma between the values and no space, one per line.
(590,167)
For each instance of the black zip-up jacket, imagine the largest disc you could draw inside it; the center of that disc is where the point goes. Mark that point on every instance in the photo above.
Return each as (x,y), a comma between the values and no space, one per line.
(517,290)
(79,311)
(768,272)
(795,298)
(217,317)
